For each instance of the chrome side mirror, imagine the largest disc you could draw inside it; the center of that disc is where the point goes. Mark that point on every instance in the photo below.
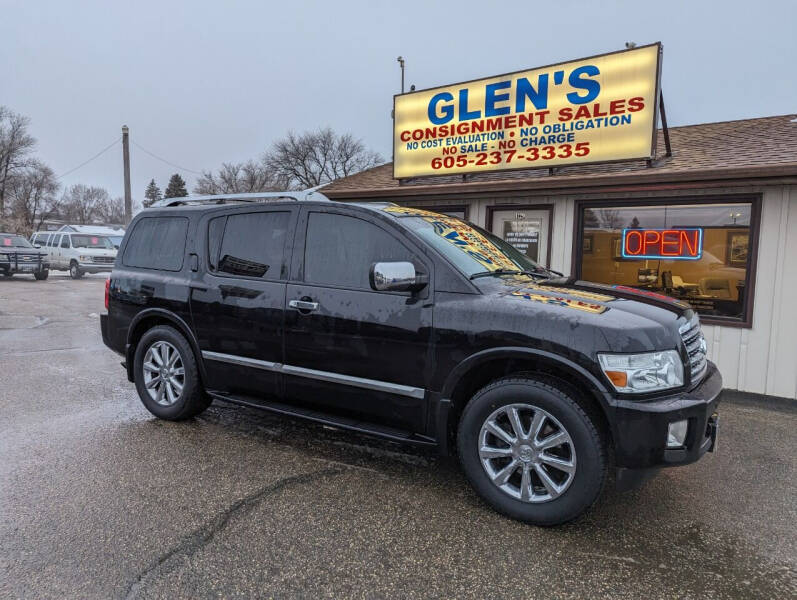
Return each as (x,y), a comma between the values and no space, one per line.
(396,277)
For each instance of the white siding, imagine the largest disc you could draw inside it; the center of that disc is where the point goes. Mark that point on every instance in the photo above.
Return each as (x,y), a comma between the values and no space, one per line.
(762,359)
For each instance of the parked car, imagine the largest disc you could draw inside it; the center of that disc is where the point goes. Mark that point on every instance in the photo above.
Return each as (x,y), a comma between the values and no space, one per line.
(416,327)
(78,253)
(17,255)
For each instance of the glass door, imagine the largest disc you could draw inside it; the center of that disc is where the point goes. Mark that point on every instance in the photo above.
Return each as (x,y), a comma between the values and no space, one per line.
(527,230)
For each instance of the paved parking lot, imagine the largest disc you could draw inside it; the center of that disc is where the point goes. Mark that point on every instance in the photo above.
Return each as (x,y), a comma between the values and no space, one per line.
(99,499)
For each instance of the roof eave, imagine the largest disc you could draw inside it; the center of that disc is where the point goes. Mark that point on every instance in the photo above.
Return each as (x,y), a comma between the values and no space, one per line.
(761,175)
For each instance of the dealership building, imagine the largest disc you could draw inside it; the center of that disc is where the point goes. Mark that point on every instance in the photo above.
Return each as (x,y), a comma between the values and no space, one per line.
(635,223)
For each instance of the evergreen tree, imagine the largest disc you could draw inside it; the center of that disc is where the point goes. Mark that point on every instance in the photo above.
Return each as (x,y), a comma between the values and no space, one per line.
(176,187)
(152,194)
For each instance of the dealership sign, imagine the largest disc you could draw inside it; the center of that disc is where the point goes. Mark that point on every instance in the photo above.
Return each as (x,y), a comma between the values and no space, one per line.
(666,244)
(597,109)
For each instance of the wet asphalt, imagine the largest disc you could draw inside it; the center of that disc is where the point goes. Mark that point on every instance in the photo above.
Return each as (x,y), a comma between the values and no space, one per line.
(98,499)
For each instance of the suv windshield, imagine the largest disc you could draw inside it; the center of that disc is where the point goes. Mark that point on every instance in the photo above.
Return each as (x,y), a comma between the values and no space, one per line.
(91,241)
(471,249)
(13,241)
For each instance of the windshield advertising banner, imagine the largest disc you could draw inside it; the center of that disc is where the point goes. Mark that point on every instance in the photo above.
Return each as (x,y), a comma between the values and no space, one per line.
(598,109)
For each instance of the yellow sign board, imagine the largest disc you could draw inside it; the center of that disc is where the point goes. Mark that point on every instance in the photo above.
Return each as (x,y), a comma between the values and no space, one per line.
(597,109)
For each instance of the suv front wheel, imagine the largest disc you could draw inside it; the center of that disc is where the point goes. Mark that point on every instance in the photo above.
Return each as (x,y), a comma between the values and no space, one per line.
(74,270)
(166,375)
(531,451)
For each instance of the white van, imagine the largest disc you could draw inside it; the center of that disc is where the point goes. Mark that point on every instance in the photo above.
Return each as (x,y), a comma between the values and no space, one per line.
(78,253)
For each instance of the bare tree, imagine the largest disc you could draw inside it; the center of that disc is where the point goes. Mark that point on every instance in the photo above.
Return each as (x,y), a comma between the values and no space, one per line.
(316,157)
(239,178)
(82,204)
(32,196)
(111,211)
(610,218)
(16,144)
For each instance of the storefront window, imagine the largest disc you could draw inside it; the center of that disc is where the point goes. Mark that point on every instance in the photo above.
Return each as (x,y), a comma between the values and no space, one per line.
(697,252)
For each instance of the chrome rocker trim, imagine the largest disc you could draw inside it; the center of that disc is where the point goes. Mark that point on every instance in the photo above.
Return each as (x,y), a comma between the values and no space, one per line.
(265,365)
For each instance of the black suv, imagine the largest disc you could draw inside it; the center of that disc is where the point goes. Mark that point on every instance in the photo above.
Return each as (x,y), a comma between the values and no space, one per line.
(18,255)
(417,327)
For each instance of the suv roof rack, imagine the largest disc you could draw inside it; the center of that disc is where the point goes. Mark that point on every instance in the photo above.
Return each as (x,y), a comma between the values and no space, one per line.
(309,194)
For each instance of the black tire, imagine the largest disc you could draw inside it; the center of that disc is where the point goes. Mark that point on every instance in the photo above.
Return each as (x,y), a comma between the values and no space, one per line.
(7,274)
(591,459)
(74,270)
(193,399)
(41,275)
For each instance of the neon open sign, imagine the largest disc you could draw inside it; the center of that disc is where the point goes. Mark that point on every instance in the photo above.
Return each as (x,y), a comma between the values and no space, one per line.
(669,244)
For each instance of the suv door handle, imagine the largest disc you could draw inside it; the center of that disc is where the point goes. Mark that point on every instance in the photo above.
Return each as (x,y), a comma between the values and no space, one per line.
(303,305)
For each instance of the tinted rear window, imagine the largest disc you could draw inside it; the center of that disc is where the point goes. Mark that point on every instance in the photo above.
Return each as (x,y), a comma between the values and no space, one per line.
(157,243)
(253,244)
(215,231)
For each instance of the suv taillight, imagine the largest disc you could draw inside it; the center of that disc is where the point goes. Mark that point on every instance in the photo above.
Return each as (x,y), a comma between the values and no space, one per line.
(107,292)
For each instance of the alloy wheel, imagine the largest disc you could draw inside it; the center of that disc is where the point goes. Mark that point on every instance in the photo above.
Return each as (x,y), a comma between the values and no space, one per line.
(527,453)
(164,373)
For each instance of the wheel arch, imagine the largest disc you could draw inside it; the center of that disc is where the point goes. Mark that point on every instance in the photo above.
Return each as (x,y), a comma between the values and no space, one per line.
(479,369)
(146,320)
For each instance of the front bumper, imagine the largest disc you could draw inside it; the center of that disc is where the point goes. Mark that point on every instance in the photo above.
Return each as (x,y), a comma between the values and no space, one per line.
(14,265)
(95,268)
(30,269)
(640,427)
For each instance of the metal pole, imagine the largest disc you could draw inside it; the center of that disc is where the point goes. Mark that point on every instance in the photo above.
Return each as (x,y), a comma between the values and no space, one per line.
(126,160)
(665,129)
(401,62)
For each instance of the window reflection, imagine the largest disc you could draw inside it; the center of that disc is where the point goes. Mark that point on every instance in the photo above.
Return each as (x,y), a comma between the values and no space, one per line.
(714,284)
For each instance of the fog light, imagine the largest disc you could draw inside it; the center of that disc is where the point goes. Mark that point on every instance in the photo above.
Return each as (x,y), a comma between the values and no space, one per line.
(676,434)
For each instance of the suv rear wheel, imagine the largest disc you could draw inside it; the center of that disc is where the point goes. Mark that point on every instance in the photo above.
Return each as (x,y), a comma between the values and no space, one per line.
(166,374)
(531,451)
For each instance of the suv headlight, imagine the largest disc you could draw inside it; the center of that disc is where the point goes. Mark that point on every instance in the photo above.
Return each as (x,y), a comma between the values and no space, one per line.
(640,373)
(86,259)
(4,258)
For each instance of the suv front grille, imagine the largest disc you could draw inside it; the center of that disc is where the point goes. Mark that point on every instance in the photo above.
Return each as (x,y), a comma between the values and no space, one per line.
(103,260)
(695,344)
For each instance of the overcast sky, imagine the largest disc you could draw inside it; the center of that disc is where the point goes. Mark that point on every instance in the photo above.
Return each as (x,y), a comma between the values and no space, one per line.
(200,83)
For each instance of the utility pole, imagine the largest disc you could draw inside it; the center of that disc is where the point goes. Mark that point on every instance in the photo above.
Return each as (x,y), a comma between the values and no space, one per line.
(126,160)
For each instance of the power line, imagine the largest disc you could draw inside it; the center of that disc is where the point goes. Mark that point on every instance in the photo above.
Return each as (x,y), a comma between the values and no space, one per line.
(163,160)
(83,164)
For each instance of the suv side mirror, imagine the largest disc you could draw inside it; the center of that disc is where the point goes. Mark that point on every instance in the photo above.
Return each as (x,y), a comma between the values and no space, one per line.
(396,277)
